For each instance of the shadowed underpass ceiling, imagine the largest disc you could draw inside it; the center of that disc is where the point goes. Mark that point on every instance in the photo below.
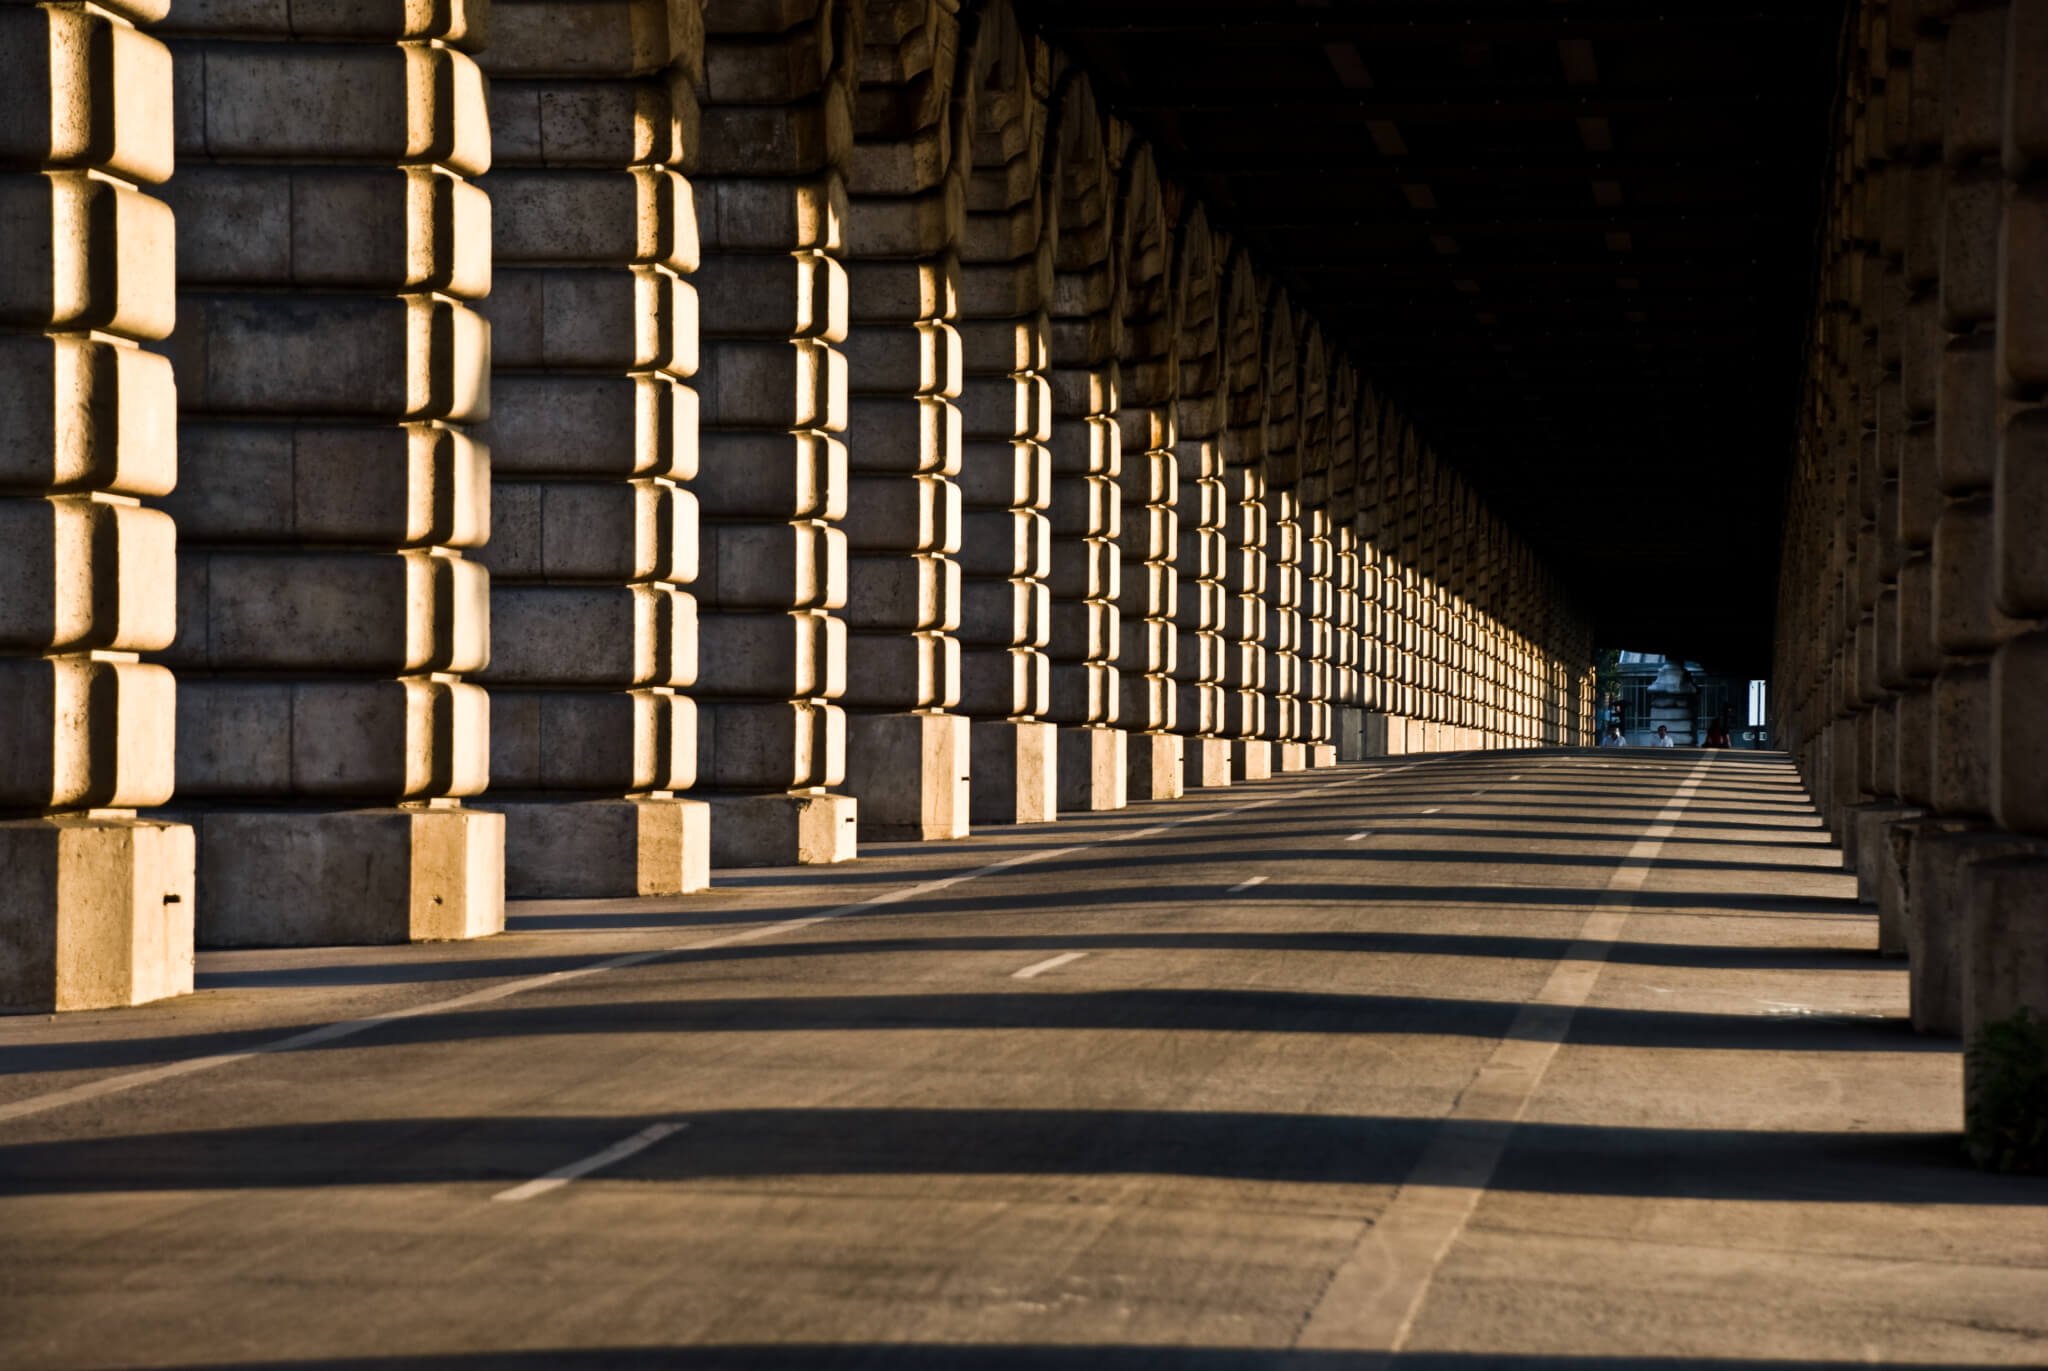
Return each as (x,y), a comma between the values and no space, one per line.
(1573,239)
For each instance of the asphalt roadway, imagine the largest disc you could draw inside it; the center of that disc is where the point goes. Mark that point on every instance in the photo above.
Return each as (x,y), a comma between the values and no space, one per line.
(1524,1060)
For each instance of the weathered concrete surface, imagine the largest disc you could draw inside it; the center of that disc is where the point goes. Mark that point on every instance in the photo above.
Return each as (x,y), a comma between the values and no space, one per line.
(1176,1149)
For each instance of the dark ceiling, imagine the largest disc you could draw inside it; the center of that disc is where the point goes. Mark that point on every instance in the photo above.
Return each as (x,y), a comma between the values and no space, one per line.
(1572,238)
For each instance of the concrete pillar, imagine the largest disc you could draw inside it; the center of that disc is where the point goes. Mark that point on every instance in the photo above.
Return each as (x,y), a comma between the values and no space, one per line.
(1087,505)
(1319,634)
(1347,656)
(593,439)
(1284,655)
(330,368)
(2004,973)
(1005,481)
(773,481)
(1201,604)
(907,758)
(1244,581)
(1312,445)
(1970,415)
(96,908)
(1149,488)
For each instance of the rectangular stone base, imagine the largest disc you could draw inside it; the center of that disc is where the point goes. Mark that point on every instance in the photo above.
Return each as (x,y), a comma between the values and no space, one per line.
(94,913)
(1155,766)
(1871,825)
(910,774)
(317,878)
(1350,724)
(1290,757)
(798,828)
(1251,759)
(1937,913)
(1321,755)
(1206,762)
(1092,769)
(603,849)
(1015,765)
(2006,936)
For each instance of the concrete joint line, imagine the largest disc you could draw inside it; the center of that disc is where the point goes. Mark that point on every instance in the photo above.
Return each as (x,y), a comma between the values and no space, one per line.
(348,1028)
(1373,1297)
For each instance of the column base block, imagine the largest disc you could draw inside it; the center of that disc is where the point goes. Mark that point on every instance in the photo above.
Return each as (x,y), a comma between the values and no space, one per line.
(1321,755)
(605,849)
(2005,934)
(1092,769)
(796,828)
(2005,975)
(1938,885)
(909,772)
(1871,825)
(1290,757)
(1351,724)
(348,877)
(1251,759)
(1015,765)
(1206,762)
(95,913)
(1155,766)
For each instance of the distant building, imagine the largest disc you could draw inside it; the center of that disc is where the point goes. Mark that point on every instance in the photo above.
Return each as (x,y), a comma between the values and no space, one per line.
(1685,698)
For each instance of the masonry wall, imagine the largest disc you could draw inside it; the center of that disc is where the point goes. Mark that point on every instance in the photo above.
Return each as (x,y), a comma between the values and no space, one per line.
(1912,658)
(575,447)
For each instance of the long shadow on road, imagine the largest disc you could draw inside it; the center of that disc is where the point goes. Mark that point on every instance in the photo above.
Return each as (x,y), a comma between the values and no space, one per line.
(771,1144)
(1025,1357)
(1133,1010)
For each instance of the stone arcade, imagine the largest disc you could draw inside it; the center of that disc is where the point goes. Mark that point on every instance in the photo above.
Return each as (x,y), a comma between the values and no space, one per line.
(456,451)
(464,450)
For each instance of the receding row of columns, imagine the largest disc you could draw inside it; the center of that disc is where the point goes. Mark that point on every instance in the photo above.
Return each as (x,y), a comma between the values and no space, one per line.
(658,438)
(1913,625)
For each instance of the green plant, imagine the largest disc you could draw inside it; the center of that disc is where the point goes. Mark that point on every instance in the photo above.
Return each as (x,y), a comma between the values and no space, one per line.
(2005,1095)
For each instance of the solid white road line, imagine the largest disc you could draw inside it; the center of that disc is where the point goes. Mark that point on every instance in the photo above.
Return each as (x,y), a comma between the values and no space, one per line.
(1362,833)
(1434,809)
(1373,1297)
(1245,884)
(596,1161)
(348,1028)
(1037,969)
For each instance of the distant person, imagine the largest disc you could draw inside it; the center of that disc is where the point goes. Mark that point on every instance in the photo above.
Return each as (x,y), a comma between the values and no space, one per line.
(1717,733)
(1663,738)
(1615,737)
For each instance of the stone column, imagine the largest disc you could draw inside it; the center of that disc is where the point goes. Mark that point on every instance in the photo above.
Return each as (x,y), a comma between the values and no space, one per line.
(1283,536)
(1087,507)
(330,368)
(1971,416)
(1005,480)
(2005,902)
(593,438)
(907,742)
(1319,632)
(1244,580)
(772,482)
(1316,648)
(96,907)
(1202,602)
(1347,656)
(1149,382)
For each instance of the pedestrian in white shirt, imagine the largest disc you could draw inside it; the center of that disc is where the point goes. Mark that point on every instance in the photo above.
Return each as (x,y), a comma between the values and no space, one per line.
(1663,738)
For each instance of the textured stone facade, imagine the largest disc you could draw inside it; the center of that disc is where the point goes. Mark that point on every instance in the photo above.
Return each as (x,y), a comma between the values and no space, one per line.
(1911,661)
